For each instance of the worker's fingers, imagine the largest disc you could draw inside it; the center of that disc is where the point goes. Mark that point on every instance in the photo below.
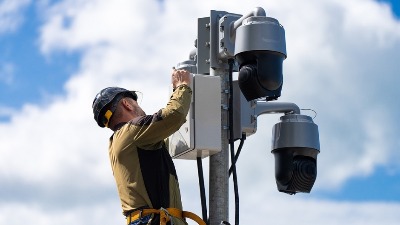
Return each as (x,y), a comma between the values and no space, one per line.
(179,77)
(180,74)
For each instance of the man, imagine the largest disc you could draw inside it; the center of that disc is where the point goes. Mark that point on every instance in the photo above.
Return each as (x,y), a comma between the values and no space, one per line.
(143,169)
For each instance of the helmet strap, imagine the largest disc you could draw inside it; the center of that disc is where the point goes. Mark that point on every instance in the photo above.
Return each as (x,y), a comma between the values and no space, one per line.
(107,115)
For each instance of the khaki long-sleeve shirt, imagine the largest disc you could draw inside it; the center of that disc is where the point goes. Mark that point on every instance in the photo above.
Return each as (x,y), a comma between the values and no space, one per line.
(143,169)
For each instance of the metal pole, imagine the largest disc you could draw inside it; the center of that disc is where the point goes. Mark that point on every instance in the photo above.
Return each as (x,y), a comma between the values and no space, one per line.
(219,163)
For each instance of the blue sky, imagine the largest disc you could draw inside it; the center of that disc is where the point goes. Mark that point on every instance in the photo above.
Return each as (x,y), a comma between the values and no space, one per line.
(368,188)
(49,72)
(33,74)
(395,6)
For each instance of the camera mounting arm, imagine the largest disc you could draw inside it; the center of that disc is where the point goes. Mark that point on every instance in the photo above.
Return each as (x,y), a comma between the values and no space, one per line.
(295,145)
(258,11)
(276,107)
(295,141)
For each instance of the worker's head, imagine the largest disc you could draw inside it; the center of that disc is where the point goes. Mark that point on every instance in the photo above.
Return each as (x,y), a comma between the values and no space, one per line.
(106,103)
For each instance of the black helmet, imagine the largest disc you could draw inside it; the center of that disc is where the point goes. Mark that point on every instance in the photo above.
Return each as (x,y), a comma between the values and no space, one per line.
(104,103)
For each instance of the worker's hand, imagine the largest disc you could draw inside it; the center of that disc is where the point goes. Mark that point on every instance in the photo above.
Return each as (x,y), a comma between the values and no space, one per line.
(180,77)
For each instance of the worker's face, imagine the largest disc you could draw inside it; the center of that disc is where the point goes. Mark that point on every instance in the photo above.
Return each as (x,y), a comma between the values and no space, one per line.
(137,110)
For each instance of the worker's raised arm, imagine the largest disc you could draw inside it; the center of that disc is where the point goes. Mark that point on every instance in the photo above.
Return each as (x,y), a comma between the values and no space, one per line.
(151,129)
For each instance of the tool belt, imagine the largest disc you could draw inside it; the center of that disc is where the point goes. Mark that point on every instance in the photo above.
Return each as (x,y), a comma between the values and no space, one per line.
(165,215)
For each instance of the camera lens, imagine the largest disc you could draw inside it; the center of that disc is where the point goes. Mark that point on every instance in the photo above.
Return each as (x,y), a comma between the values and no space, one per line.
(304,174)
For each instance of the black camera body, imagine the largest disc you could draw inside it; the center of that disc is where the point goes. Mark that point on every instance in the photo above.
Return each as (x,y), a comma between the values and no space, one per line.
(260,49)
(295,145)
(260,74)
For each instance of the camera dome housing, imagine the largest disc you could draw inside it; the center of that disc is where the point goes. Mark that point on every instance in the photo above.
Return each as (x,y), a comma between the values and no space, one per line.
(295,145)
(260,49)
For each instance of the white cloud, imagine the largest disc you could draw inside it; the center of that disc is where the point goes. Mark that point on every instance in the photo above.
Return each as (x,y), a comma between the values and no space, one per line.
(280,211)
(341,62)
(10,15)
(80,215)
(83,24)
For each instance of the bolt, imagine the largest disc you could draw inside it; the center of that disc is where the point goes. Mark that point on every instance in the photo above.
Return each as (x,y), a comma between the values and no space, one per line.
(208,25)
(207,44)
(253,119)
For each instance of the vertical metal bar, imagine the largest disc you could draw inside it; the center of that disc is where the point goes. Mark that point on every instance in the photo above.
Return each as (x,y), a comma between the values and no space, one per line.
(219,163)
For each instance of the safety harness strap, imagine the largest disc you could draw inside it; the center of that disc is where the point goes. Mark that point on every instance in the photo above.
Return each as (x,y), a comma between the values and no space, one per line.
(165,215)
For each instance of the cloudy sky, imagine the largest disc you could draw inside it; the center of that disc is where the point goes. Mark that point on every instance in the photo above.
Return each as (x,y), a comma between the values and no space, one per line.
(343,62)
